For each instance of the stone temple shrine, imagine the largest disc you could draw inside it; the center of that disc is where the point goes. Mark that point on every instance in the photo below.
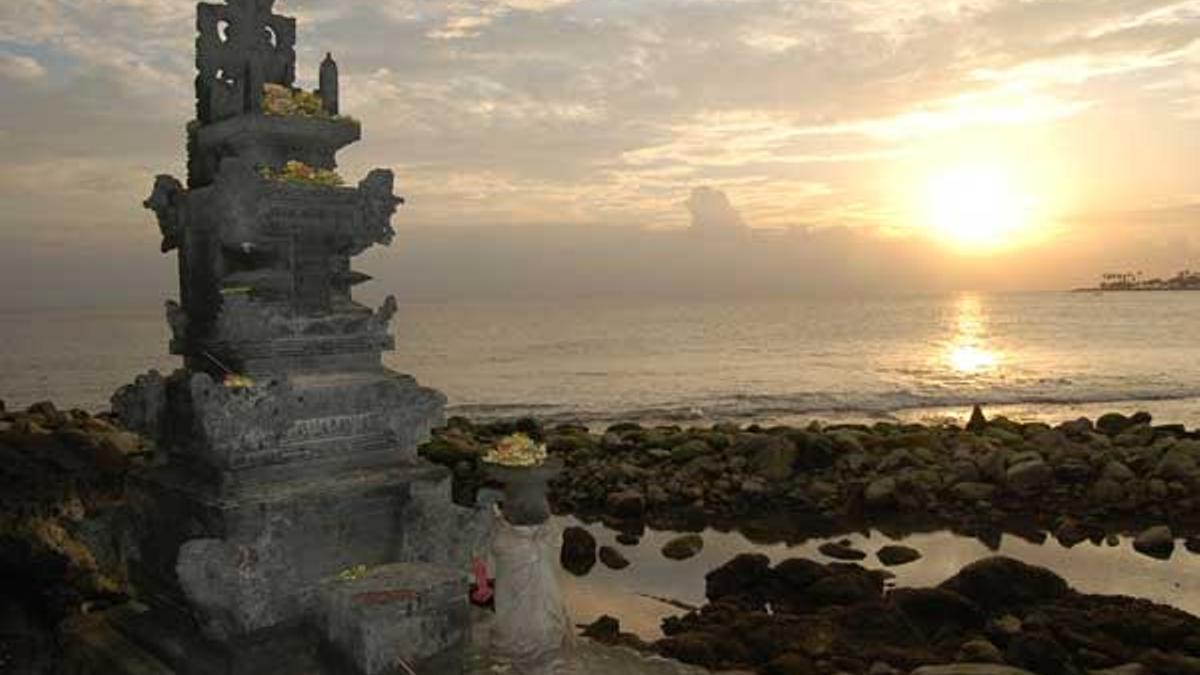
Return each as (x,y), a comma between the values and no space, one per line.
(290,526)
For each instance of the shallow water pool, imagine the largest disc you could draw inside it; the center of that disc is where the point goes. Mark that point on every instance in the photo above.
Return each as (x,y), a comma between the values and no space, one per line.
(629,594)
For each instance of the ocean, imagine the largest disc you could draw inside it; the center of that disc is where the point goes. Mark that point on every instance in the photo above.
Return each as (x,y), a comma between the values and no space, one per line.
(1048,356)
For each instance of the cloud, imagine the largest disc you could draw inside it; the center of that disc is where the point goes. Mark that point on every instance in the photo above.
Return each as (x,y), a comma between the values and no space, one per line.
(18,67)
(712,214)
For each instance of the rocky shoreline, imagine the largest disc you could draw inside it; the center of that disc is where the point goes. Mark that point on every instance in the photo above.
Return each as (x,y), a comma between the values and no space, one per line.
(1081,480)
(996,616)
(62,477)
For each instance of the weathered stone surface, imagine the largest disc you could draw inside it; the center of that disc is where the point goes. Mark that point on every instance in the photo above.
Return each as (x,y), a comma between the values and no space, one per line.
(401,612)
(612,558)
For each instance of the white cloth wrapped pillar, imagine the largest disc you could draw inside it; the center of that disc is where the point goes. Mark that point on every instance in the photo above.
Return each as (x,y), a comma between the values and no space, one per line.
(531,620)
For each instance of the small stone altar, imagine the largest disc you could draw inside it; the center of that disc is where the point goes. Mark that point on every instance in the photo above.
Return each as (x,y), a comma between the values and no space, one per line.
(290,526)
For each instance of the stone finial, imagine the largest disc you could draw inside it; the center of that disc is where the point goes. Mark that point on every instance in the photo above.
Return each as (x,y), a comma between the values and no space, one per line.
(241,46)
(329,85)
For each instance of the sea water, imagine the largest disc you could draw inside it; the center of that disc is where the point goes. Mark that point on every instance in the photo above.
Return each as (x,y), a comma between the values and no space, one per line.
(1052,355)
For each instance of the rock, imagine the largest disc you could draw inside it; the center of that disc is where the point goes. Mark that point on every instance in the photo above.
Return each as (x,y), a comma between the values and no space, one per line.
(936,609)
(744,575)
(1070,532)
(1106,491)
(626,504)
(979,651)
(881,668)
(694,648)
(893,555)
(1040,654)
(1192,544)
(790,664)
(1113,423)
(845,588)
(684,547)
(970,669)
(1176,464)
(773,458)
(1000,582)
(612,558)
(1079,428)
(628,538)
(972,492)
(1127,669)
(841,551)
(606,629)
(978,423)
(689,450)
(578,554)
(1156,542)
(880,492)
(794,575)
(1029,476)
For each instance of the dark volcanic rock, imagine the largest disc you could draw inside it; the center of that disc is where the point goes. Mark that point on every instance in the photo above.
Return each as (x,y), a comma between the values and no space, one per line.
(936,609)
(578,554)
(684,547)
(845,587)
(1156,542)
(893,555)
(841,551)
(747,575)
(1000,582)
(1040,654)
(612,558)
(605,629)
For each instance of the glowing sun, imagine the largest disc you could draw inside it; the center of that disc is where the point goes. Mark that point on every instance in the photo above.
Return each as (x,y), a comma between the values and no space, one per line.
(977,208)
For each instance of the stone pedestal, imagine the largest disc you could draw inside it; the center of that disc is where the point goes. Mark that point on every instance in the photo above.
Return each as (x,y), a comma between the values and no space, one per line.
(404,614)
(531,620)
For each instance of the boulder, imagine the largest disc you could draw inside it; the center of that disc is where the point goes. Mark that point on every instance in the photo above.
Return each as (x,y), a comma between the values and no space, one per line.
(972,492)
(935,609)
(1001,582)
(1029,476)
(880,492)
(979,651)
(606,629)
(1156,542)
(1113,423)
(578,554)
(1039,653)
(744,575)
(689,450)
(612,558)
(626,504)
(684,547)
(845,588)
(893,555)
(773,458)
(841,550)
(796,574)
(1106,491)
(1178,463)
(790,663)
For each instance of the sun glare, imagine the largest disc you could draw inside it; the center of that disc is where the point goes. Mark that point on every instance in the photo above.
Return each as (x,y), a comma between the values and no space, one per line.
(977,208)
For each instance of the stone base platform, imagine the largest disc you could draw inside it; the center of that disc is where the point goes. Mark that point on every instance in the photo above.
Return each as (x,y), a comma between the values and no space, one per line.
(395,619)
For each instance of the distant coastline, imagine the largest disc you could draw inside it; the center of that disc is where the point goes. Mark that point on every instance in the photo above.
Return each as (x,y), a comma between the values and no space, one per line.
(1136,281)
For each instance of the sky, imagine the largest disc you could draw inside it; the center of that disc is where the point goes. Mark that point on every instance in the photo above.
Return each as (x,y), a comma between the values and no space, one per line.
(663,147)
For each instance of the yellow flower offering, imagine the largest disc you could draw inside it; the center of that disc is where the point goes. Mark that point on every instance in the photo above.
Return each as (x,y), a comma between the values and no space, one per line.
(235,381)
(516,450)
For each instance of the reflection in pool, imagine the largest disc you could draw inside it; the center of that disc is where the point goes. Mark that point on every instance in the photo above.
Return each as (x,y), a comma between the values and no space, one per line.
(1113,570)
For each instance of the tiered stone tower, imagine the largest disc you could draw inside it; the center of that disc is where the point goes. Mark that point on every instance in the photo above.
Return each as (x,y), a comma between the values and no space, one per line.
(289,450)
